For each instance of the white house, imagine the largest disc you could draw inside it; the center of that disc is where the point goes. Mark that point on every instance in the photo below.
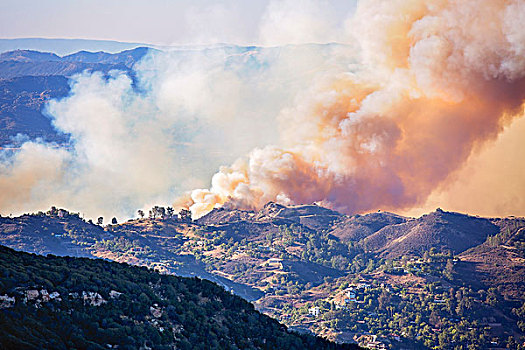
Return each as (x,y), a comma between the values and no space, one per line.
(314,311)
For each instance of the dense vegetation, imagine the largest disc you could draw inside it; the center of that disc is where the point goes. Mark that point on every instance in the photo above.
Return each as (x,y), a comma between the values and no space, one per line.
(85,303)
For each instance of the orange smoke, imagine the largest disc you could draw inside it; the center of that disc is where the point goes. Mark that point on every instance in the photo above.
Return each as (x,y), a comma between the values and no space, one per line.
(438,80)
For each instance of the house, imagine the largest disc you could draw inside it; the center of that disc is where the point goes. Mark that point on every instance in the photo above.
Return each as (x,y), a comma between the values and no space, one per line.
(93,298)
(6,301)
(376,345)
(370,341)
(155,310)
(55,296)
(363,286)
(350,296)
(45,295)
(314,311)
(31,294)
(113,294)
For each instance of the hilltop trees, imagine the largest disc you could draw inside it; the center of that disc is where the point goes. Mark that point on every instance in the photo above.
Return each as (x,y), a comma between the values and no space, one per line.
(157,212)
(185,215)
(164,213)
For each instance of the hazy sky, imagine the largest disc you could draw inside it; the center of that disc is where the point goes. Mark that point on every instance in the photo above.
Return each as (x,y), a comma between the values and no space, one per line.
(167,22)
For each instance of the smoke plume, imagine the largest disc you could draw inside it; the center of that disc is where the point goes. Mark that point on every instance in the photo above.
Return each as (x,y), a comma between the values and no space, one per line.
(439,79)
(391,120)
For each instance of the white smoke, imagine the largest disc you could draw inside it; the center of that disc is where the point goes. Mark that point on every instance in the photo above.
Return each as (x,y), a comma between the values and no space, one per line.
(143,144)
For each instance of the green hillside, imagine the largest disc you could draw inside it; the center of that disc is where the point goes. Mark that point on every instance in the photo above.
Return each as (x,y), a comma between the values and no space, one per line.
(77,303)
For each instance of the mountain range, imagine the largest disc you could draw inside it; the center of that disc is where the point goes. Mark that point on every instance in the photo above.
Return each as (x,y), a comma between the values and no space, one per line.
(290,259)
(66,46)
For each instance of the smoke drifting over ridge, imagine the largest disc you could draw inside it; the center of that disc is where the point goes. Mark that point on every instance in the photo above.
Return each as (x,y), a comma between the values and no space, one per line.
(382,126)
(440,79)
(138,145)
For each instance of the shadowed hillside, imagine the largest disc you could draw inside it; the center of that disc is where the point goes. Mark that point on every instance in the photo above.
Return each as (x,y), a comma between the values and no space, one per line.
(60,303)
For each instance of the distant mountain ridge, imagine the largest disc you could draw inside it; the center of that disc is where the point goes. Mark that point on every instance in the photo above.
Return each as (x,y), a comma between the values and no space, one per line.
(22,101)
(67,46)
(20,63)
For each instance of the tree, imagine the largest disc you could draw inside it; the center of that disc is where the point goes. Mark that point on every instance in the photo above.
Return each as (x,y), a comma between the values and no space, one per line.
(384,299)
(161,212)
(157,212)
(185,215)
(434,318)
(100,220)
(141,213)
(114,221)
(449,269)
(53,211)
(492,297)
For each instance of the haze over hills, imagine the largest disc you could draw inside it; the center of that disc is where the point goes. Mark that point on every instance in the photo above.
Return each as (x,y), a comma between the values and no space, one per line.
(29,79)
(66,46)
(28,98)
(290,259)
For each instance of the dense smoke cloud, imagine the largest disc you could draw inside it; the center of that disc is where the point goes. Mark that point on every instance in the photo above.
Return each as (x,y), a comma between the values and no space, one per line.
(439,79)
(383,126)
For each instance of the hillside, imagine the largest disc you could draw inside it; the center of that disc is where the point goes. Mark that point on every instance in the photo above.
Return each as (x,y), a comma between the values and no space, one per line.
(58,303)
(448,268)
(22,101)
(439,230)
(65,234)
(357,227)
(500,261)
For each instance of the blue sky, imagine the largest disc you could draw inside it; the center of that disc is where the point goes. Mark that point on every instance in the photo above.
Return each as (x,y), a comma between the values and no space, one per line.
(169,22)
